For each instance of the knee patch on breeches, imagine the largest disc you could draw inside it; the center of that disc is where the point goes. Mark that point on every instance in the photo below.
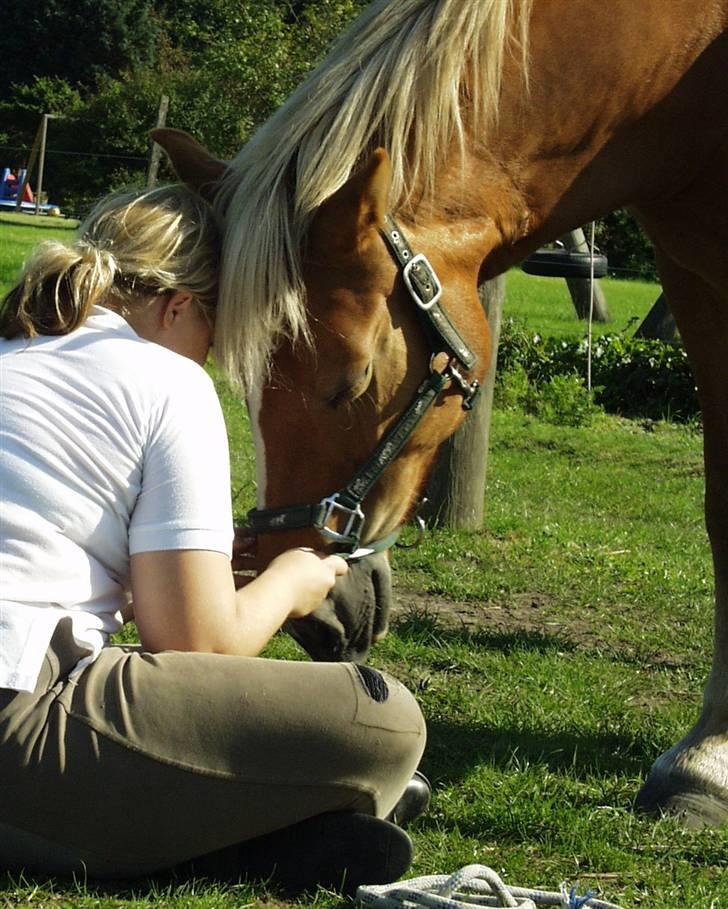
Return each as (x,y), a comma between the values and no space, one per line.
(374,683)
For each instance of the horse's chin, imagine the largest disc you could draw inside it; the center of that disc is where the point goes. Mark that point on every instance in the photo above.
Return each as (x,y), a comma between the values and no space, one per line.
(353,616)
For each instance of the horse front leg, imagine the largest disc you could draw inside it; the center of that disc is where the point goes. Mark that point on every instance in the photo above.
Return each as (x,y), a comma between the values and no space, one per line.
(691,779)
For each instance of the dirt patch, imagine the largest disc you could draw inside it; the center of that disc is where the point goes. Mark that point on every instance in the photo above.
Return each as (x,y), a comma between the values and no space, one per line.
(529,613)
(532,615)
(522,611)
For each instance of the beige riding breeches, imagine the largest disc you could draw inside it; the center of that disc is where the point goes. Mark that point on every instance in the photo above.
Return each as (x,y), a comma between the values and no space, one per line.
(143,760)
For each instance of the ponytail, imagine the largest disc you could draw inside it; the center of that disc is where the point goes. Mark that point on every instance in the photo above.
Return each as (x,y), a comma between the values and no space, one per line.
(58,288)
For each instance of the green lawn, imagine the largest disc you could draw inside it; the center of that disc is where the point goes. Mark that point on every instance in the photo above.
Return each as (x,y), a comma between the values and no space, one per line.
(20,233)
(546,304)
(555,653)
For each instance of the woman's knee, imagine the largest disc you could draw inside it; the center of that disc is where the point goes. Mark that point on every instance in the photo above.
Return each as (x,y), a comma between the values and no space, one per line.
(384,702)
(394,732)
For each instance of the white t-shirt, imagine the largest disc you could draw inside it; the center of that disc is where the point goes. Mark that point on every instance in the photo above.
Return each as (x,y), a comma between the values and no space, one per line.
(109,445)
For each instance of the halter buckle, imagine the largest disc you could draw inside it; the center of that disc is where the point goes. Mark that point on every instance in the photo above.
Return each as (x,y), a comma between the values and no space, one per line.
(420,261)
(469,390)
(354,521)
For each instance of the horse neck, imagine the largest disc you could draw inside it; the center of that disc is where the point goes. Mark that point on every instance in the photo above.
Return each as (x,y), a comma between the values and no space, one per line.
(591,133)
(494,202)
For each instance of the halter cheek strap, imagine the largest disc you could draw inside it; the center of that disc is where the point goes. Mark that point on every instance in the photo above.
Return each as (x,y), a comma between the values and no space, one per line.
(345,505)
(425,289)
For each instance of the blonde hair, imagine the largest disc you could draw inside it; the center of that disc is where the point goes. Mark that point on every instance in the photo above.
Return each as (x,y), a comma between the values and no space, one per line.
(132,246)
(410,75)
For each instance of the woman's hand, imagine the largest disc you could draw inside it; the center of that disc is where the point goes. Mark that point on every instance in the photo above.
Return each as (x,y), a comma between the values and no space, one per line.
(186,599)
(312,578)
(310,574)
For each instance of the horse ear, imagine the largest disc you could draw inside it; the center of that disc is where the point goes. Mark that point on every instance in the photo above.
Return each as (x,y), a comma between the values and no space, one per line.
(374,180)
(358,207)
(191,161)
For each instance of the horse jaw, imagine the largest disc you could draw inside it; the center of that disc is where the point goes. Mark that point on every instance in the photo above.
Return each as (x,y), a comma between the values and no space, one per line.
(254,403)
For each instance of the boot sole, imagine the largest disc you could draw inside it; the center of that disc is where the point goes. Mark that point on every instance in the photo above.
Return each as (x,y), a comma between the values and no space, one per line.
(338,851)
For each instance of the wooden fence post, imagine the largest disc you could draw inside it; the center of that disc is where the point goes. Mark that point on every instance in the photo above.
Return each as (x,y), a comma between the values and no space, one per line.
(155,153)
(456,489)
(579,287)
(30,165)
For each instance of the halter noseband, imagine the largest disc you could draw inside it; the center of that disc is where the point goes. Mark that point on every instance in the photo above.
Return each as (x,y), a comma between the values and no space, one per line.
(425,290)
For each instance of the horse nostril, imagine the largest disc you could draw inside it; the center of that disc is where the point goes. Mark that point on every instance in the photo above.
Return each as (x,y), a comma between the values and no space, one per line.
(353,389)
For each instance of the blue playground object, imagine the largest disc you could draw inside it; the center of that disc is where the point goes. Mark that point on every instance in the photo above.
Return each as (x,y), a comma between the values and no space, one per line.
(9,187)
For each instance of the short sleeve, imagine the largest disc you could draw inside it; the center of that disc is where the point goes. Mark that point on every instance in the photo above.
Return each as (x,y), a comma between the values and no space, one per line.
(184,500)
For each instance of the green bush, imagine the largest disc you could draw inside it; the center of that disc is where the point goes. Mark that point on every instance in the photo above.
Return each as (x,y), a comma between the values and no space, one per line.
(563,400)
(632,377)
(512,388)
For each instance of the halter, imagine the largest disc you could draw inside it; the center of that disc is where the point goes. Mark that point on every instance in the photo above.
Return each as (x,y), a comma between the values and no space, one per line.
(425,290)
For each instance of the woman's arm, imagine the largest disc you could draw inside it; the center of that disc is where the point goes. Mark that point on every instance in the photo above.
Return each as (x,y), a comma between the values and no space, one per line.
(186,599)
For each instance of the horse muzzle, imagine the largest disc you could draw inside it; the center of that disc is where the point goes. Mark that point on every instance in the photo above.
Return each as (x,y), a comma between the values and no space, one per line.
(353,616)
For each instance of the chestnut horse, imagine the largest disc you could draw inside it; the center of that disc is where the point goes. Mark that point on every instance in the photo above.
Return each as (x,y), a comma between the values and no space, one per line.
(486,128)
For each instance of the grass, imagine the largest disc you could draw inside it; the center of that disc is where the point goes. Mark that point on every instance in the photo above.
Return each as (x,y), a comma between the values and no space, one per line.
(546,304)
(555,654)
(19,233)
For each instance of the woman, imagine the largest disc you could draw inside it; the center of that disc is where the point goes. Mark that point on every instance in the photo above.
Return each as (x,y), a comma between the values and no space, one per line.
(189,751)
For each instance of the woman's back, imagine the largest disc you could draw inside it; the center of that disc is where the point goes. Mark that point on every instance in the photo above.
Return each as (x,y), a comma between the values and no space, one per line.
(101,433)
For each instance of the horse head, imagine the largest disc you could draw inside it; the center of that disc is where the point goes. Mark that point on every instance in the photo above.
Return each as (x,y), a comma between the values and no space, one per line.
(328,421)
(329,409)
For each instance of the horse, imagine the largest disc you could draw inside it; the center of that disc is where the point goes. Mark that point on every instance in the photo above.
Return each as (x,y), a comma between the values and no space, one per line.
(437,145)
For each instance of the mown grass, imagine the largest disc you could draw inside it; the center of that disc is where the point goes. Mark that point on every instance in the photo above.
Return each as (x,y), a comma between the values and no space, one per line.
(20,233)
(555,654)
(546,304)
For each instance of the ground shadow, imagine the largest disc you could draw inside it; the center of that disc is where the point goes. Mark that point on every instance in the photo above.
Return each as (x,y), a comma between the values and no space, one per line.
(455,749)
(425,628)
(510,632)
(458,744)
(52,224)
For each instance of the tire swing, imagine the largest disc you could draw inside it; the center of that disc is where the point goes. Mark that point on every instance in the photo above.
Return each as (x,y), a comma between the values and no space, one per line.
(564,263)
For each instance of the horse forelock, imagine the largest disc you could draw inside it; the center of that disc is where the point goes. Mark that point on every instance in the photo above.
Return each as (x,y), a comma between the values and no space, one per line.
(397,78)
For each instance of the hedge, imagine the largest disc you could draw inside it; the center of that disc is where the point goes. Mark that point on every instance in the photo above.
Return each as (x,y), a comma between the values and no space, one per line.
(633,377)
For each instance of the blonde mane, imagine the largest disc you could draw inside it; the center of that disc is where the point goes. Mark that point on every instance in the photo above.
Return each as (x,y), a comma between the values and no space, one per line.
(396,79)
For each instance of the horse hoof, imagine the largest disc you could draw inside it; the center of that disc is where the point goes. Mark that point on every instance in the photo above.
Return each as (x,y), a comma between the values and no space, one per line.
(694,810)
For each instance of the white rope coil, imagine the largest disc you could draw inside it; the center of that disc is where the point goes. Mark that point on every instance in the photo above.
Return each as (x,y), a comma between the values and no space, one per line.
(473,885)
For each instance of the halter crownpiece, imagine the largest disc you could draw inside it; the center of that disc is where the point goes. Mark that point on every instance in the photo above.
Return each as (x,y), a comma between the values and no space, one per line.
(425,290)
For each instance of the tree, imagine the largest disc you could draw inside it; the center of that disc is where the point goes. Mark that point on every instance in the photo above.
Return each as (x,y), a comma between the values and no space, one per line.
(74,40)
(626,246)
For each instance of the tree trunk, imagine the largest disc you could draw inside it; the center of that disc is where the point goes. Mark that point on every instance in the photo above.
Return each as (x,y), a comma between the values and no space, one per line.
(659,324)
(456,489)
(579,287)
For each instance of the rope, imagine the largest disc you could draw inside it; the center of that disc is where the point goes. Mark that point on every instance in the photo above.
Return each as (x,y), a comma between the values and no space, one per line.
(473,885)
